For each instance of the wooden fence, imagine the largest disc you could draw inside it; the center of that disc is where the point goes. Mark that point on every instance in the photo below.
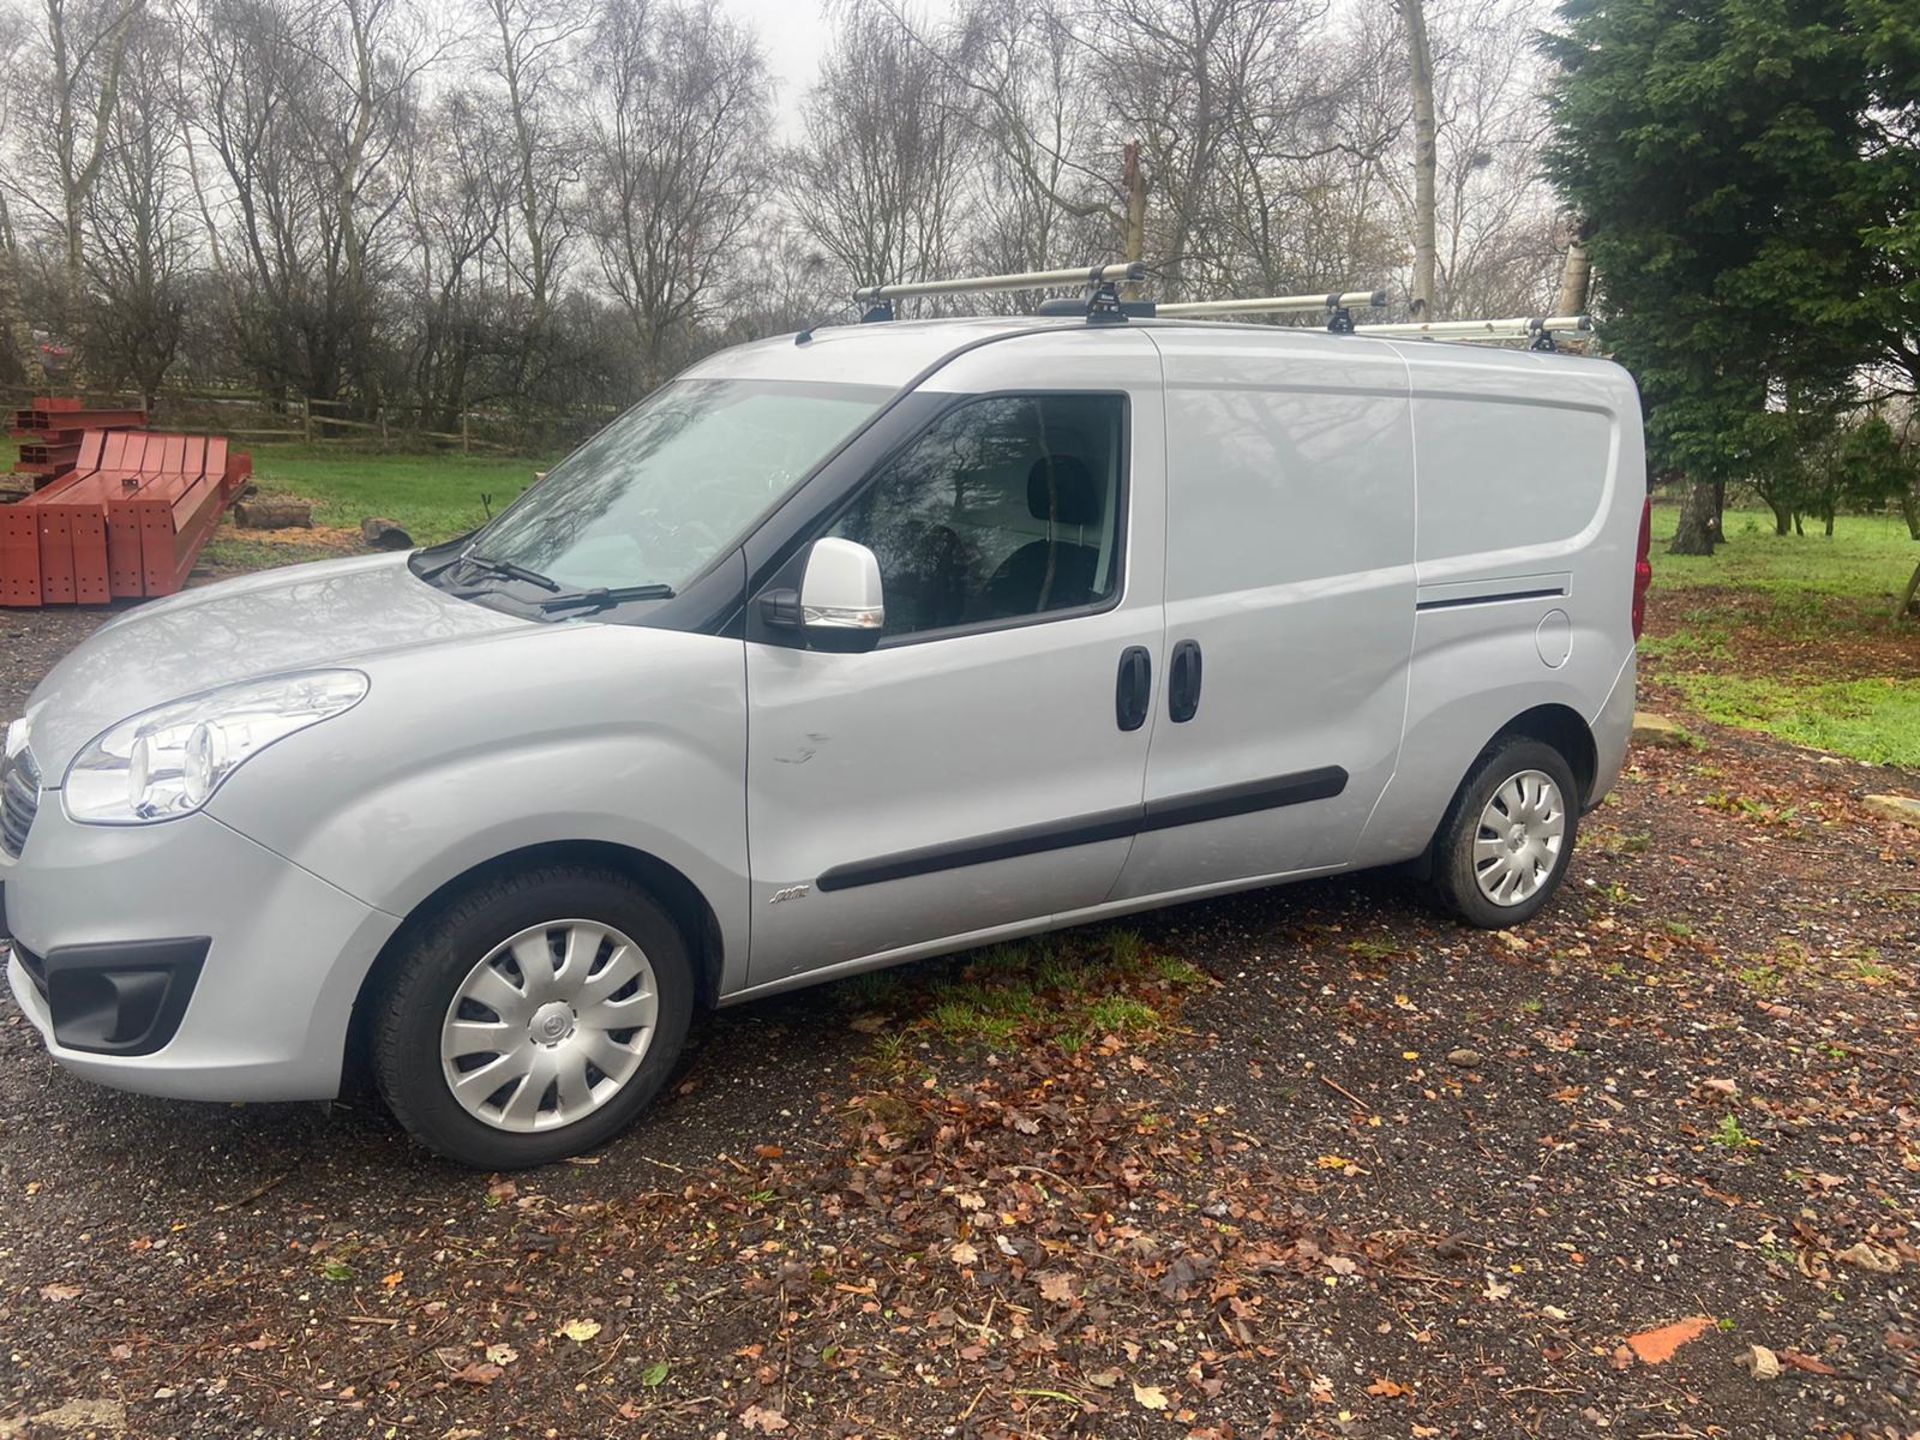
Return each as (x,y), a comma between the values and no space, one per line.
(299,420)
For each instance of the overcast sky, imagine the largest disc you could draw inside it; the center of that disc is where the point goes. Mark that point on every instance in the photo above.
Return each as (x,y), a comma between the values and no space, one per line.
(794,35)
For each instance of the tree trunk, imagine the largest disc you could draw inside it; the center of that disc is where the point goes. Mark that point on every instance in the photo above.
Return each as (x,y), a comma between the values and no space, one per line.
(1719,519)
(1828,517)
(16,334)
(1695,535)
(1907,597)
(1782,518)
(1425,164)
(1910,509)
(1576,275)
(1136,236)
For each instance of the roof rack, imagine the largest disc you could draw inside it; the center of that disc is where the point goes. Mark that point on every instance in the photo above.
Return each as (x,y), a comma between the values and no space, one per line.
(1102,282)
(1338,307)
(1537,329)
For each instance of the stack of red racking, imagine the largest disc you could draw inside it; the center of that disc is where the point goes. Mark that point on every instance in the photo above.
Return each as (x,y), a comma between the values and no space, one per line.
(49,432)
(128,519)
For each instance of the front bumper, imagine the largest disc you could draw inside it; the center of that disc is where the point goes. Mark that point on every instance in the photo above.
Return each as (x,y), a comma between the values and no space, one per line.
(266,1012)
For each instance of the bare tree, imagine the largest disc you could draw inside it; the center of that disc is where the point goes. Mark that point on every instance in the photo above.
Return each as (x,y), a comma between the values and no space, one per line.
(679,120)
(457,205)
(85,44)
(309,109)
(529,51)
(883,170)
(1054,185)
(17,345)
(139,249)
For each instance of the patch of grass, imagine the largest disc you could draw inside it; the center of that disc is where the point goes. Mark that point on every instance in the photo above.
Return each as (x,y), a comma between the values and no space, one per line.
(1877,719)
(1120,1015)
(229,550)
(1694,644)
(1868,558)
(1373,949)
(433,497)
(1869,971)
(1072,988)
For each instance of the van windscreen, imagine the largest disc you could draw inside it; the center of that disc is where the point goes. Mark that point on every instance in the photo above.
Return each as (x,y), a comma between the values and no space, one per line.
(657,495)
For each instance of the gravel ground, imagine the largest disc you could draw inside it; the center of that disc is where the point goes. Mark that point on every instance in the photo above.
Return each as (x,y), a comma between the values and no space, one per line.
(1360,1173)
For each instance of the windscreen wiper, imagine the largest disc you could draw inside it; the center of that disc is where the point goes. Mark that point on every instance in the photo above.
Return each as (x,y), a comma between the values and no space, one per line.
(506,569)
(600,596)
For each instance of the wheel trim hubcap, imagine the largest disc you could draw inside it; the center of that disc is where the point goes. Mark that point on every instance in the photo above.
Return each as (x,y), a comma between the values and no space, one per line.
(1517,845)
(549,1026)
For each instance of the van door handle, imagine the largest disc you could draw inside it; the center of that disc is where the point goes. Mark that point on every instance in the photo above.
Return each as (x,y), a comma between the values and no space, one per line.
(1133,690)
(1183,682)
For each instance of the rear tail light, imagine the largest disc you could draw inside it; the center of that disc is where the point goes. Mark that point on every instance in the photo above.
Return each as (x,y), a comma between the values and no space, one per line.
(1643,568)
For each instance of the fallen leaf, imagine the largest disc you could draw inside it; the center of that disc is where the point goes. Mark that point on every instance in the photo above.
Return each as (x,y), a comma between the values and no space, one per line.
(767,1422)
(393,1279)
(655,1375)
(1761,1363)
(502,1354)
(1656,1347)
(1861,1256)
(1149,1397)
(57,1293)
(1806,1363)
(1105,1379)
(1387,1389)
(478,1374)
(579,1331)
(1056,1287)
(964,1254)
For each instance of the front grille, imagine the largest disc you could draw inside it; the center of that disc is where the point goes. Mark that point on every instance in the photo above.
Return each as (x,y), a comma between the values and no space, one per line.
(19,800)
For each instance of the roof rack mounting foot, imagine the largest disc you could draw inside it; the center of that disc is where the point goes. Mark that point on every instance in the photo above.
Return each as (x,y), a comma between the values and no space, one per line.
(880,311)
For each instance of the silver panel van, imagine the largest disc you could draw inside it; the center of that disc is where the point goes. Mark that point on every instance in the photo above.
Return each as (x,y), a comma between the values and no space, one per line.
(839,650)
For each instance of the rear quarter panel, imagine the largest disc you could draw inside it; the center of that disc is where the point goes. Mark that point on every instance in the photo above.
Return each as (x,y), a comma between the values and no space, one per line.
(1530,477)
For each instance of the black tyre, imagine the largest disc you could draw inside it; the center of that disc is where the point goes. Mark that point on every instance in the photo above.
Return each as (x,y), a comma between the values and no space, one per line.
(533,1017)
(1509,836)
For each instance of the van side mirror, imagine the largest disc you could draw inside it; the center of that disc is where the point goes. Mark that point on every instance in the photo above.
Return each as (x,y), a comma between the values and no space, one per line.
(841,605)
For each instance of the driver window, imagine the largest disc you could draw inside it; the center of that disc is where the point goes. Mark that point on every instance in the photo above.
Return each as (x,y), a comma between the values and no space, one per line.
(1006,507)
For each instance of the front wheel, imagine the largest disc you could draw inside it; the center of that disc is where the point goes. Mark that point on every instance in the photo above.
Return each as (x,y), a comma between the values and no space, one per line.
(1507,841)
(533,1018)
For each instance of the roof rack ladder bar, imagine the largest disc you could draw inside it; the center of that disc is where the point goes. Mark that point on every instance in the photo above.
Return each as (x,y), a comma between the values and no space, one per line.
(1338,308)
(1094,277)
(1520,327)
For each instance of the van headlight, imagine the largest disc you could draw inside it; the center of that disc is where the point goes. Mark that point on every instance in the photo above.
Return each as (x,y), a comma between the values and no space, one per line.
(166,761)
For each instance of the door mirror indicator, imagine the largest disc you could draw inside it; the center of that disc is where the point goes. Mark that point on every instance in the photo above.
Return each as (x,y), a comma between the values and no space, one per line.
(840,596)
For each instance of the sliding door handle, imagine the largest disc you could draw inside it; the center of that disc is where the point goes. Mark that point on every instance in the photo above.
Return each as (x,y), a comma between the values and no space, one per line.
(1133,688)
(1183,682)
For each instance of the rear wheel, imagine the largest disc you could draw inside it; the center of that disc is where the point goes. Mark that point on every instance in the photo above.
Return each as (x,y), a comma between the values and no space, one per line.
(1507,841)
(534,1017)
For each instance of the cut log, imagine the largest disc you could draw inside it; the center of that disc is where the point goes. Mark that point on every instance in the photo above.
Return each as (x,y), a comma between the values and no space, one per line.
(384,534)
(274,515)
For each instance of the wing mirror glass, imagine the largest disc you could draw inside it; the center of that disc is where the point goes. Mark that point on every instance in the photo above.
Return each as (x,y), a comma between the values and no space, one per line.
(841,604)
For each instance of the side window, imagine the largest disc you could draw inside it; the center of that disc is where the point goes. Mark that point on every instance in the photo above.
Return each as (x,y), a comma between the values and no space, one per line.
(1006,507)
